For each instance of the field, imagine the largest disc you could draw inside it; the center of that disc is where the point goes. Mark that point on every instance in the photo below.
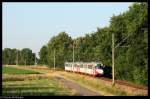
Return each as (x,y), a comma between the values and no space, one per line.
(31,80)
(31,83)
(12,70)
(34,87)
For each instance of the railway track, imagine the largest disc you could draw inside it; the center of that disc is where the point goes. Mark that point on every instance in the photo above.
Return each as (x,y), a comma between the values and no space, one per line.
(120,82)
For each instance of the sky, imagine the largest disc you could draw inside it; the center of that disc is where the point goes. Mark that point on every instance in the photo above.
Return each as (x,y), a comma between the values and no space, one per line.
(32,25)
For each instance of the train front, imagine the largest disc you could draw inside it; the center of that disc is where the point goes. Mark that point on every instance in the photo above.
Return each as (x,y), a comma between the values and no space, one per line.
(99,69)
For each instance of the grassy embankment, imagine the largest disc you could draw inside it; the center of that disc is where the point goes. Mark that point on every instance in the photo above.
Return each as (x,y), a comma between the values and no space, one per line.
(96,84)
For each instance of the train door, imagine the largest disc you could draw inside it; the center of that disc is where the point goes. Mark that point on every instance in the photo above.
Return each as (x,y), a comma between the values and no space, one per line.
(82,68)
(89,69)
(85,67)
(78,68)
(75,67)
(94,71)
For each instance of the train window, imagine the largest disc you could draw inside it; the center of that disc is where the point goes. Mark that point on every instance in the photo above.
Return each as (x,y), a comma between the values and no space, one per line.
(81,66)
(68,65)
(99,67)
(98,64)
(90,66)
(84,66)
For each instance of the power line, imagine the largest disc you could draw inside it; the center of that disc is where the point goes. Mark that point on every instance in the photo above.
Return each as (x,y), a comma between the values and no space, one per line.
(122,41)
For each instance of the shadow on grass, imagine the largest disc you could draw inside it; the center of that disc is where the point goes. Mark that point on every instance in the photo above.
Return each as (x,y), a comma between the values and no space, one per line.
(25,88)
(34,94)
(34,91)
(19,85)
(21,79)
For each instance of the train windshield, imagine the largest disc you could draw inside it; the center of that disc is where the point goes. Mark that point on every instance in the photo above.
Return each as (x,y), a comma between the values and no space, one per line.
(98,66)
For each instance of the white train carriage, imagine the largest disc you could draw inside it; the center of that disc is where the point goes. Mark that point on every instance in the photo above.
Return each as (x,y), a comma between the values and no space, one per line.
(91,68)
(76,67)
(69,66)
(83,68)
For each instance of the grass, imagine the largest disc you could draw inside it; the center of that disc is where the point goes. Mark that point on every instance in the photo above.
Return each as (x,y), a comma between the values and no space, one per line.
(21,77)
(101,86)
(21,81)
(23,85)
(13,70)
(94,84)
(35,87)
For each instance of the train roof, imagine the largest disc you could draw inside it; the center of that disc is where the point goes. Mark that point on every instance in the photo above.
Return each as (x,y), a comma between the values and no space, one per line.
(83,63)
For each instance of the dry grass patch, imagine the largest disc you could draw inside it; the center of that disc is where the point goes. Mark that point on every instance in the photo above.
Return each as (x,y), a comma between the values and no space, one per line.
(98,85)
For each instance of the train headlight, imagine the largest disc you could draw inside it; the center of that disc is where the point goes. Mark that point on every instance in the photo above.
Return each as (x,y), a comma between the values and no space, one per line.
(100,71)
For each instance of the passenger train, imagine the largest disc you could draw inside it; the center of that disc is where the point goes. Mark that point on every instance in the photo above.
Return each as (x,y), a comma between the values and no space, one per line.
(91,68)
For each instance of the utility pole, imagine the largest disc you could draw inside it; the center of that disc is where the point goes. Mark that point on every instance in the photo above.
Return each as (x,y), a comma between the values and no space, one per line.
(54,58)
(113,52)
(73,52)
(35,59)
(25,62)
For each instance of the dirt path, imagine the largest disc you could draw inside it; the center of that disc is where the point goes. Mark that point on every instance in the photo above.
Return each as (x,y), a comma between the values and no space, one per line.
(80,90)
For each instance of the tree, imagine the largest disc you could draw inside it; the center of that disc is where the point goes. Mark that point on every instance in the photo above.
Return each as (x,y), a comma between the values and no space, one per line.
(7,56)
(61,44)
(12,56)
(43,55)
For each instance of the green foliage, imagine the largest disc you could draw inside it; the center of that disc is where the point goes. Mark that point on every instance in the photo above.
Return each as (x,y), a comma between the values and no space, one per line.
(14,56)
(61,44)
(43,55)
(130,62)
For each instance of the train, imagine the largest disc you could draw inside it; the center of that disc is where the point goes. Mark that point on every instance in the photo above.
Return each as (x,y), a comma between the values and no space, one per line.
(91,68)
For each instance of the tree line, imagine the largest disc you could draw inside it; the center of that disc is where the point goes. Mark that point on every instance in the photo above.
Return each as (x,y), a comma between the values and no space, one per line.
(131,56)
(18,57)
